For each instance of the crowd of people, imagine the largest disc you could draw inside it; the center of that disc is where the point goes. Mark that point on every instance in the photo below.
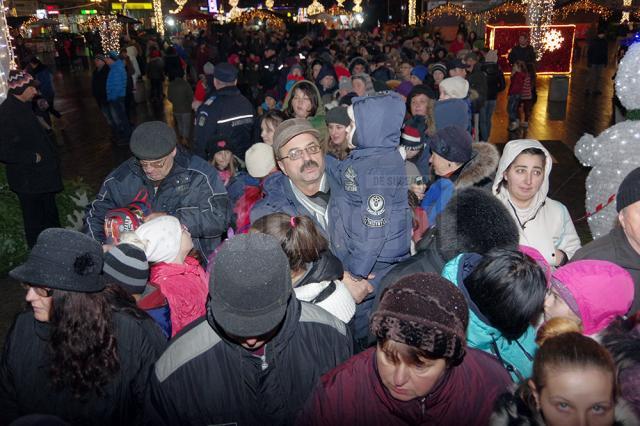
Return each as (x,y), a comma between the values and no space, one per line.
(324,237)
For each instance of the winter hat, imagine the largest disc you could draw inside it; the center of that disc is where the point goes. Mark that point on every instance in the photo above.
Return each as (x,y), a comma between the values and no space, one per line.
(225,72)
(249,299)
(220,144)
(491,56)
(272,93)
(629,190)
(113,55)
(412,172)
(289,129)
(152,140)
(420,71)
(100,57)
(439,66)
(260,160)
(456,87)
(452,143)
(19,81)
(63,259)
(540,260)
(456,229)
(421,89)
(127,265)
(345,83)
(424,311)
(208,68)
(294,67)
(412,136)
(456,63)
(338,115)
(597,291)
(404,88)
(162,237)
(471,55)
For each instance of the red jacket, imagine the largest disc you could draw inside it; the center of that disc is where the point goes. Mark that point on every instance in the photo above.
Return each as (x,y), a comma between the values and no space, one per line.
(352,394)
(517,83)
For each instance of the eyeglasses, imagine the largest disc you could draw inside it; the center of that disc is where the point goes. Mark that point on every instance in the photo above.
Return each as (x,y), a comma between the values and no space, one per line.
(40,291)
(297,153)
(158,164)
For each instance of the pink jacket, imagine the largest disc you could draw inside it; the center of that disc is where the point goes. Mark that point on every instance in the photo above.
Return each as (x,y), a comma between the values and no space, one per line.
(185,287)
(602,291)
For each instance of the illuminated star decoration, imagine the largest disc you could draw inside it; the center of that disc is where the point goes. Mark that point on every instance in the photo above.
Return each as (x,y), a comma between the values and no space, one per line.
(235,10)
(552,40)
(356,6)
(315,8)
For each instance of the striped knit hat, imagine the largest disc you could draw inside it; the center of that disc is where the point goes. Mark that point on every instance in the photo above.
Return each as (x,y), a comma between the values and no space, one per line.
(19,81)
(127,266)
(412,134)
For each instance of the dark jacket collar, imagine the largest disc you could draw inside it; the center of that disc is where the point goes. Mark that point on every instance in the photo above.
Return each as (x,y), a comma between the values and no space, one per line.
(327,268)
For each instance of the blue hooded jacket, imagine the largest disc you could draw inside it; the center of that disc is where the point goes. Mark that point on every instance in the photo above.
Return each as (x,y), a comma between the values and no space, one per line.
(516,355)
(371,226)
(117,81)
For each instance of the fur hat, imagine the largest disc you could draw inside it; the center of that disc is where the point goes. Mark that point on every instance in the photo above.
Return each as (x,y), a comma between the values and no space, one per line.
(462,227)
(260,160)
(424,311)
(456,87)
(162,237)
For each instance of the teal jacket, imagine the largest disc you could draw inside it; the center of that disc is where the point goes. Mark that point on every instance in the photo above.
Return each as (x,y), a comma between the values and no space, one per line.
(516,355)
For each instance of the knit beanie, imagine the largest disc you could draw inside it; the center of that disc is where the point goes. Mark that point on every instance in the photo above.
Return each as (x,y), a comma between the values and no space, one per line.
(424,311)
(596,291)
(412,135)
(250,286)
(456,87)
(260,160)
(19,81)
(629,190)
(345,83)
(420,71)
(491,56)
(338,115)
(161,237)
(439,66)
(152,140)
(63,259)
(208,68)
(127,265)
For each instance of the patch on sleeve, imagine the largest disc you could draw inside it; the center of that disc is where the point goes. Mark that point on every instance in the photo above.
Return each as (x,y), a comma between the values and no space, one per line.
(350,184)
(202,120)
(375,207)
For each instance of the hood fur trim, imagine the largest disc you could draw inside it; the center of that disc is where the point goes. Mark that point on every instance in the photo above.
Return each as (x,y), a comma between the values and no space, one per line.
(482,166)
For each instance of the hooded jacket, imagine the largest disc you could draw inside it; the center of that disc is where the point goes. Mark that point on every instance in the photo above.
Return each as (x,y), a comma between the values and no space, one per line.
(318,120)
(117,81)
(353,394)
(25,384)
(192,192)
(452,112)
(479,172)
(516,355)
(371,210)
(327,70)
(615,248)
(546,224)
(204,378)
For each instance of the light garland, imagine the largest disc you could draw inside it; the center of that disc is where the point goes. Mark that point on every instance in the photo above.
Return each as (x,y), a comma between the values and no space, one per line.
(626,15)
(356,6)
(269,4)
(273,21)
(336,10)
(448,9)
(158,17)
(539,16)
(7,59)
(340,3)
(503,9)
(584,6)
(315,8)
(552,40)
(235,11)
(181,4)
(109,29)
(412,12)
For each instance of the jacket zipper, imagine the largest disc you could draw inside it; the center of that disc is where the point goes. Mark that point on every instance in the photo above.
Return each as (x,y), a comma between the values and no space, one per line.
(264,364)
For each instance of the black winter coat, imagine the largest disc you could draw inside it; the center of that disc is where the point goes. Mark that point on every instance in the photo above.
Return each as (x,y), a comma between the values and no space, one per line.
(598,52)
(495,80)
(25,384)
(99,84)
(203,378)
(21,137)
(228,116)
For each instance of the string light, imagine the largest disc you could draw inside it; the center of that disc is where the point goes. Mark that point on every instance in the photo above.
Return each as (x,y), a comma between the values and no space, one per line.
(356,6)
(508,7)
(448,9)
(626,15)
(158,17)
(539,16)
(340,3)
(614,153)
(412,12)
(315,8)
(235,11)
(7,59)
(269,4)
(272,20)
(109,29)
(180,4)
(584,6)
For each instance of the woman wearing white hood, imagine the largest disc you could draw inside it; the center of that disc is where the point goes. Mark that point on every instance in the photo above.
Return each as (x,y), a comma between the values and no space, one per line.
(522,184)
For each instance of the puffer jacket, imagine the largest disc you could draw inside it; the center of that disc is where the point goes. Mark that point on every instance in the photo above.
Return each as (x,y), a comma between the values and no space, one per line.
(117,81)
(318,120)
(353,394)
(204,378)
(515,355)
(546,224)
(25,384)
(452,112)
(372,216)
(192,192)
(478,172)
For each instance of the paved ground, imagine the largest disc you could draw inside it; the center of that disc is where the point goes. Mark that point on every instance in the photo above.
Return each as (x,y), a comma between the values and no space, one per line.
(88,152)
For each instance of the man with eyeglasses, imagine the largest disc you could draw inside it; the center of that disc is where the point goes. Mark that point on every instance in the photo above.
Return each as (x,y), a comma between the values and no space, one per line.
(174,182)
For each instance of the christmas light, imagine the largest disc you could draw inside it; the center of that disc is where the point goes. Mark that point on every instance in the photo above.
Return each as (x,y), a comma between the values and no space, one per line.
(506,8)
(539,16)
(626,14)
(181,4)
(614,153)
(412,12)
(235,10)
(158,17)
(272,21)
(7,60)
(356,6)
(109,29)
(269,4)
(584,6)
(448,9)
(315,8)
(552,40)
(340,3)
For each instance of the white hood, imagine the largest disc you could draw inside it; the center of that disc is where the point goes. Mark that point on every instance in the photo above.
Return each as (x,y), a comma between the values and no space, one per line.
(511,151)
